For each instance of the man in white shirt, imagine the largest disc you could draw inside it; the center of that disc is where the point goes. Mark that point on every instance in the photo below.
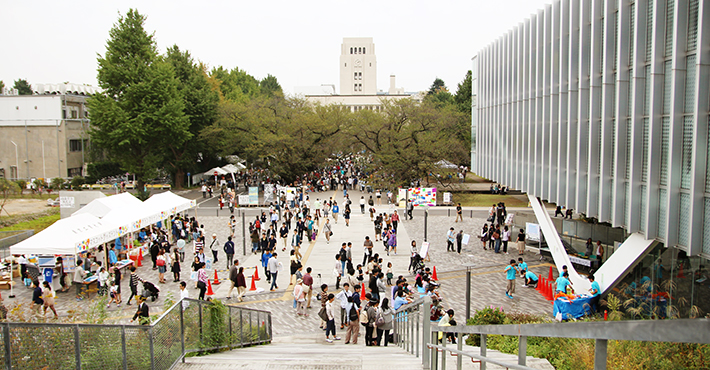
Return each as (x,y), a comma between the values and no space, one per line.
(342,296)
(273,266)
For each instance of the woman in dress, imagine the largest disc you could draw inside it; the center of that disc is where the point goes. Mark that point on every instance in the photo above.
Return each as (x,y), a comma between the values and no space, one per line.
(48,296)
(176,266)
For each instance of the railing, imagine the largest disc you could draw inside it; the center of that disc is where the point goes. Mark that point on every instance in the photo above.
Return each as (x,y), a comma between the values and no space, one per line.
(9,238)
(189,326)
(677,331)
(412,327)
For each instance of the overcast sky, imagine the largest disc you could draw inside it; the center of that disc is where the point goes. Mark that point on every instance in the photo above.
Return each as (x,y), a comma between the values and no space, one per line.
(296,41)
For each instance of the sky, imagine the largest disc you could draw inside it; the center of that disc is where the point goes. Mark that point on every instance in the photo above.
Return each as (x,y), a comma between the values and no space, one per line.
(296,41)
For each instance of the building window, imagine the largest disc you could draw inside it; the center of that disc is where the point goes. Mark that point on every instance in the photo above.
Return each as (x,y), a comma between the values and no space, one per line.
(351,50)
(74,145)
(355,75)
(72,172)
(363,51)
(359,74)
(74,114)
(13,172)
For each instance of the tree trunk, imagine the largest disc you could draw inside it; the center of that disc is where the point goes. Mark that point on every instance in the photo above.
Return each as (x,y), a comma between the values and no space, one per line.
(180,178)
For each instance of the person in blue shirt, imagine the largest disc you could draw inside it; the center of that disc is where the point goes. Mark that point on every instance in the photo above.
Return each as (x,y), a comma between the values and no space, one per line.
(522,266)
(335,210)
(562,283)
(264,263)
(112,255)
(530,279)
(595,290)
(510,272)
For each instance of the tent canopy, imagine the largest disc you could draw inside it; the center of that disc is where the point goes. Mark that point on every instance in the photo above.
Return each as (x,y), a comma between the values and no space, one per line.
(102,206)
(230,168)
(216,169)
(70,235)
(445,164)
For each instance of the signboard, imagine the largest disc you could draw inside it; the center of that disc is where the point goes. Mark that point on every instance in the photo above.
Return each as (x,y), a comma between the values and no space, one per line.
(66,202)
(419,196)
(269,193)
(208,263)
(447,197)
(465,239)
(425,250)
(532,231)
(509,219)
(580,261)
(243,200)
(254,195)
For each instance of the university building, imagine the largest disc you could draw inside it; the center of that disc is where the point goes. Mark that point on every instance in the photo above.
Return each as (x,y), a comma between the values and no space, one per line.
(358,80)
(45,135)
(602,106)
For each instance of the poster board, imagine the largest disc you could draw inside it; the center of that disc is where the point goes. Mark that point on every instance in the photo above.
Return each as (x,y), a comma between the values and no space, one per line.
(253,196)
(447,198)
(243,200)
(509,218)
(465,239)
(425,250)
(269,193)
(532,231)
(418,196)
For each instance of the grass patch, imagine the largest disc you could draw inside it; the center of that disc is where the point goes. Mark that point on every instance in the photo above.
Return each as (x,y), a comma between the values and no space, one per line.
(486,200)
(29,195)
(35,221)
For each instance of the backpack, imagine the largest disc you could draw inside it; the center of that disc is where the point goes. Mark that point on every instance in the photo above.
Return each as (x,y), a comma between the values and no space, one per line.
(353,314)
(363,317)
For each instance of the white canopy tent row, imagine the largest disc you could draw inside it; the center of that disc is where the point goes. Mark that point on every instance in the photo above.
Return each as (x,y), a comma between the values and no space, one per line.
(93,225)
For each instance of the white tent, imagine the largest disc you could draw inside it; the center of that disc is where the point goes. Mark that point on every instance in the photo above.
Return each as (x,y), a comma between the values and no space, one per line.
(102,206)
(230,168)
(218,170)
(70,235)
(168,203)
(445,164)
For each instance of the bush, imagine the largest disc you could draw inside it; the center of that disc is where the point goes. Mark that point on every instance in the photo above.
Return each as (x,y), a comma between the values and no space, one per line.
(487,316)
(77,182)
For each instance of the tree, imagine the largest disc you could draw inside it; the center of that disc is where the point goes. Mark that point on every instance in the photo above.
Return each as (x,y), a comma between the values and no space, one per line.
(236,85)
(139,115)
(407,139)
(463,95)
(200,101)
(437,86)
(23,87)
(270,86)
(2,86)
(7,187)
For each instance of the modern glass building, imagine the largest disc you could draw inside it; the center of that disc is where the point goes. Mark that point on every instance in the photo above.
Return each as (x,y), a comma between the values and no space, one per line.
(602,106)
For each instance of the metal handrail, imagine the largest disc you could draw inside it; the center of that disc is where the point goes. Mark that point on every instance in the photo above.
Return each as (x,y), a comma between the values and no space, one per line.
(408,316)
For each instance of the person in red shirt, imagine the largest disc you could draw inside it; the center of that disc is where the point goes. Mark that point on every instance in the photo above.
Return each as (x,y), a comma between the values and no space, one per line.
(308,281)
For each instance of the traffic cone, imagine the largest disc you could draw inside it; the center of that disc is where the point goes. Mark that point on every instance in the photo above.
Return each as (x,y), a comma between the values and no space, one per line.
(362,292)
(680,273)
(256,273)
(539,280)
(433,275)
(253,284)
(549,276)
(216,278)
(140,258)
(209,288)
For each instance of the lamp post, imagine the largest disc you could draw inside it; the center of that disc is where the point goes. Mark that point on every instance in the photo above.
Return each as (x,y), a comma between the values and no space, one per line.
(469,267)
(17,162)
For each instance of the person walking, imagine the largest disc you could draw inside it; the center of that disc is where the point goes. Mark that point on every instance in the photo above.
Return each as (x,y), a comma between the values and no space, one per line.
(37,301)
(308,282)
(214,247)
(283,233)
(459,241)
(383,331)
(241,284)
(327,230)
(229,250)
(459,213)
(362,204)
(202,281)
(510,271)
(521,243)
(368,250)
(353,315)
(335,210)
(274,268)
(370,325)
(342,297)
(300,297)
(48,296)
(233,272)
(395,220)
(505,237)
(175,269)
(133,284)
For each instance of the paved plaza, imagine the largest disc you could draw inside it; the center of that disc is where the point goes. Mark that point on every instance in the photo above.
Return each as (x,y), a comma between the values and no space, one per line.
(488,282)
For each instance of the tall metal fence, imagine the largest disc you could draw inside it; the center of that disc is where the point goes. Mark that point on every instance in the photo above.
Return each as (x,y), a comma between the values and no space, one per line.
(189,326)
(434,353)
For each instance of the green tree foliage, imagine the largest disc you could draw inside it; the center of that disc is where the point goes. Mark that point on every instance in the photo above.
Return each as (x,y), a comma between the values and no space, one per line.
(463,95)
(270,86)
(236,85)
(201,102)
(23,87)
(139,116)
(407,139)
(2,86)
(437,86)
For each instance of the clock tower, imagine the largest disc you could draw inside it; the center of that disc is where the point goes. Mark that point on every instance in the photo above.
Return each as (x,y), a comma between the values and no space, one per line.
(358,67)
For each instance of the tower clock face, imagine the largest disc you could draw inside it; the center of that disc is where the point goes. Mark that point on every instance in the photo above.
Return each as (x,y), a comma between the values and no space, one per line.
(358,62)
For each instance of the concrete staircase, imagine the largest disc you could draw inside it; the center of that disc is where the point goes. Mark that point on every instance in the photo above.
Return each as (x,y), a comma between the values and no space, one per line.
(312,352)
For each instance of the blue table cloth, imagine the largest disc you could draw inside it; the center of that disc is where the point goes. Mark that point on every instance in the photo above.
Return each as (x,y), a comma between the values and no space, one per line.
(575,309)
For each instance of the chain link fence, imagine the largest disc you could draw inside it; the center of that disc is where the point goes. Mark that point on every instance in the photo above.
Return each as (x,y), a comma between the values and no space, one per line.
(189,326)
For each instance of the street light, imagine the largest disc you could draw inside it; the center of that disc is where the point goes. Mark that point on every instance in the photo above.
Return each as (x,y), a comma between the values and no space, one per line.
(469,267)
(17,162)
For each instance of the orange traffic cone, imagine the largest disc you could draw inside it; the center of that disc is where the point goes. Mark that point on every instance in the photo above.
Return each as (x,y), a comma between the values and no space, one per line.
(539,280)
(209,288)
(549,276)
(216,278)
(256,273)
(253,283)
(433,275)
(140,258)
(362,292)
